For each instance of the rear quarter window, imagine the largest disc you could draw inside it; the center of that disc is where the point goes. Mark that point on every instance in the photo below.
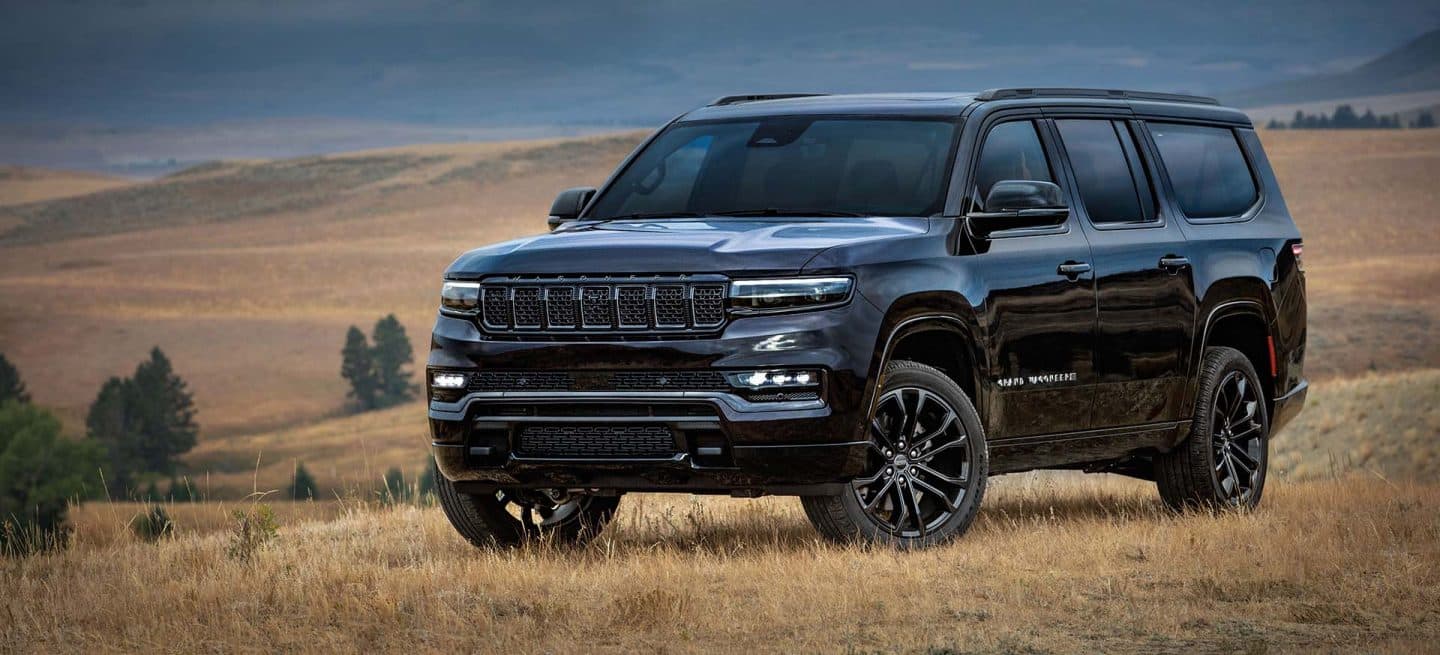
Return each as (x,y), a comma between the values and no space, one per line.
(1207,169)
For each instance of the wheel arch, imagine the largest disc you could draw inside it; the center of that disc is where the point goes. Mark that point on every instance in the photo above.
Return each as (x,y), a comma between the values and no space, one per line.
(1246,324)
(939,334)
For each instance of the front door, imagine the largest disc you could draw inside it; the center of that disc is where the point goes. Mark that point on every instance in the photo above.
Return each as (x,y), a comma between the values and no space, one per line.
(1144,281)
(1039,313)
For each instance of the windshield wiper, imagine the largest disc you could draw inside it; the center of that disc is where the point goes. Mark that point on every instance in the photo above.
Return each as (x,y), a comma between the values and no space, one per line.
(788,212)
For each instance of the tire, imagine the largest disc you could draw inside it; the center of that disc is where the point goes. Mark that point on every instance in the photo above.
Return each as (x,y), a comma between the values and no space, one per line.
(1223,462)
(507,517)
(936,499)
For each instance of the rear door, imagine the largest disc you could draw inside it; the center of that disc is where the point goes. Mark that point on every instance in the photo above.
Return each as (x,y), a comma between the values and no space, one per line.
(1144,284)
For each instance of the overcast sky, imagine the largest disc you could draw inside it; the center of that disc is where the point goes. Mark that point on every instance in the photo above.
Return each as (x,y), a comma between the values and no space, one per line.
(139,62)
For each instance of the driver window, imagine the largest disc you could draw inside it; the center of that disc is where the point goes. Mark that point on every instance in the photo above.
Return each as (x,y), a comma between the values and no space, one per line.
(1012,151)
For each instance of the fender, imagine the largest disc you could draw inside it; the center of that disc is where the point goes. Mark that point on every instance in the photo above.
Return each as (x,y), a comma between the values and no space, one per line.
(924,322)
(1225,309)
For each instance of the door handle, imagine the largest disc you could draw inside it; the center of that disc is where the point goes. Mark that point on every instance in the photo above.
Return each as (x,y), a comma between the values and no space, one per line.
(1173,263)
(1073,269)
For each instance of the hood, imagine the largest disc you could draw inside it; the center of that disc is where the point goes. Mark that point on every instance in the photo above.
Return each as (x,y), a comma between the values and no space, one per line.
(709,245)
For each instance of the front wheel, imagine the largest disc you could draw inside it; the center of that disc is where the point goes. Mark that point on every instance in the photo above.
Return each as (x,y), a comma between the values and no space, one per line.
(509,517)
(927,470)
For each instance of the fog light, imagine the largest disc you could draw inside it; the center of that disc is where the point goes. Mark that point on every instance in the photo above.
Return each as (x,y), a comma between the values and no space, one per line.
(774,379)
(448,380)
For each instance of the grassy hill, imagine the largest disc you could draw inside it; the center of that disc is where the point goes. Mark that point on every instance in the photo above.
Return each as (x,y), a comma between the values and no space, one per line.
(28,184)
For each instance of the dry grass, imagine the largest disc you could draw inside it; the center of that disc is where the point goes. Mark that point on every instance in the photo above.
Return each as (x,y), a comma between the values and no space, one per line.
(1053,564)
(1384,424)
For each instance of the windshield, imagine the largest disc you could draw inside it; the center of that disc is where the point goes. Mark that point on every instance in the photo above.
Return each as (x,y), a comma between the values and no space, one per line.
(787,166)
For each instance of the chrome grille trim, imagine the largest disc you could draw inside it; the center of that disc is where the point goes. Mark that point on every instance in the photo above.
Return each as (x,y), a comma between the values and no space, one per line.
(595,305)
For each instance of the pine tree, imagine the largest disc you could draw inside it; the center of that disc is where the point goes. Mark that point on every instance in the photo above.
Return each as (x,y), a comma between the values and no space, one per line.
(302,484)
(392,355)
(144,422)
(167,414)
(1299,121)
(358,367)
(1424,120)
(1275,124)
(1368,121)
(11,386)
(1344,118)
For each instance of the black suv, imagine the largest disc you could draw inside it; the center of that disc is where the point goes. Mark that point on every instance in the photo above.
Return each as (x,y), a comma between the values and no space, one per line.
(874,302)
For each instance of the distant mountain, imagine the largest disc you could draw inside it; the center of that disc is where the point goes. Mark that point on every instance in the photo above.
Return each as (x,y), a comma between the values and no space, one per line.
(1413,67)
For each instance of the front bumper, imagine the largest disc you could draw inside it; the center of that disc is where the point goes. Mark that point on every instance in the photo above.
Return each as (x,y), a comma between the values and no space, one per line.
(724,443)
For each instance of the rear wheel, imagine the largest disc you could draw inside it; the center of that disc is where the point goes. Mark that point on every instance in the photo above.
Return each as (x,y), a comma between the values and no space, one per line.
(509,517)
(1224,460)
(927,468)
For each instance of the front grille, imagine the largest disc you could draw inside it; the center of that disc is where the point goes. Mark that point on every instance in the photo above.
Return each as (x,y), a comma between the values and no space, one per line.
(598,305)
(675,380)
(596,441)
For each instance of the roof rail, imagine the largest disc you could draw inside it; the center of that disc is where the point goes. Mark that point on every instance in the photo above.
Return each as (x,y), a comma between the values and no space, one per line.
(1119,94)
(756,97)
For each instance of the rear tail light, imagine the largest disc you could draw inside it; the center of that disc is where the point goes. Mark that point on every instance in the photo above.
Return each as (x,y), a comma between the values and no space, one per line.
(1298,249)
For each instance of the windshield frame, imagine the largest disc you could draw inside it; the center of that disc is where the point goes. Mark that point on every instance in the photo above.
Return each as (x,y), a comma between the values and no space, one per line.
(943,190)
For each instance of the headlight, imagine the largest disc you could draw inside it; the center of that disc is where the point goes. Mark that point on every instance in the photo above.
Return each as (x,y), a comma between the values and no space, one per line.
(460,297)
(749,296)
(447,380)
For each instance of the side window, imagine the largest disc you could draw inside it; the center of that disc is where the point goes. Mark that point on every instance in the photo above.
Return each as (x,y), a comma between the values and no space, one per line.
(1207,169)
(1108,171)
(1012,151)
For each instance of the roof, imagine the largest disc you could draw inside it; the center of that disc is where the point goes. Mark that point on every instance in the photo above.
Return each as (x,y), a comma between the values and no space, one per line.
(954,104)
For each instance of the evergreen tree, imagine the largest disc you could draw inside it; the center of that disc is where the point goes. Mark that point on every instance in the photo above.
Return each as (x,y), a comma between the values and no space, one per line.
(302,484)
(358,367)
(1275,124)
(1299,121)
(1344,118)
(40,474)
(11,386)
(1368,121)
(392,355)
(144,422)
(1424,120)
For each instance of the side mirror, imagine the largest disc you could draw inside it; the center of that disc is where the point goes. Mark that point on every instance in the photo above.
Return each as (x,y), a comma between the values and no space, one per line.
(1014,204)
(568,204)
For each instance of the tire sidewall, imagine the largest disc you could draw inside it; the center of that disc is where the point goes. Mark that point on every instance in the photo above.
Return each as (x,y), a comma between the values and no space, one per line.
(1229,361)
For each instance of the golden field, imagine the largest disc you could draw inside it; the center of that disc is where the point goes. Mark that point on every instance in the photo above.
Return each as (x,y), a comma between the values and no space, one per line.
(1053,564)
(247,274)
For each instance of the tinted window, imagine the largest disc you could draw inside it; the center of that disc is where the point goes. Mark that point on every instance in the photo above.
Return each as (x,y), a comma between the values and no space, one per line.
(1207,169)
(865,166)
(1012,152)
(1108,172)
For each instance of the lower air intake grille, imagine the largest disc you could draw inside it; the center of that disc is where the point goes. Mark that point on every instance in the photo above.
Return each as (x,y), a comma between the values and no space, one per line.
(596,441)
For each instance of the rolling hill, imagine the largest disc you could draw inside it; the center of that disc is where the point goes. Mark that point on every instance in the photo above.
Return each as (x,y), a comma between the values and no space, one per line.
(1414,67)
(28,184)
